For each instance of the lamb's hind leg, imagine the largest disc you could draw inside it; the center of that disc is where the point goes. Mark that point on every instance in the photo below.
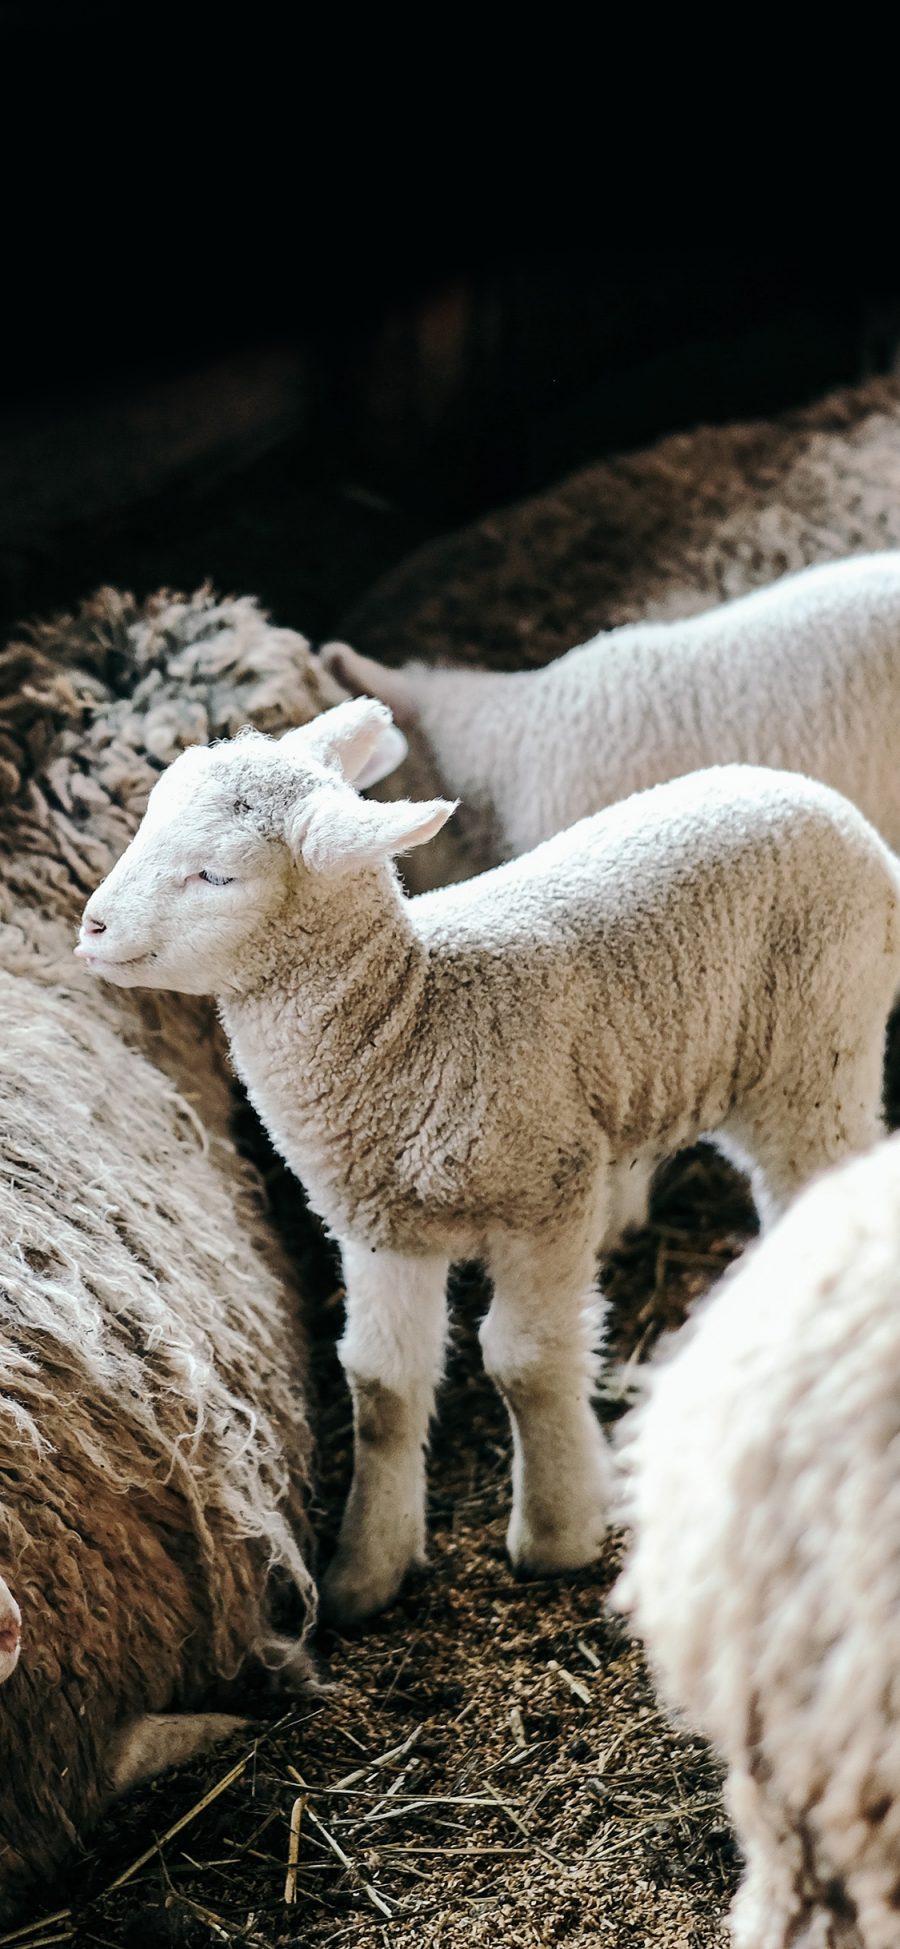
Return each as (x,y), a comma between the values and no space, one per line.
(391,1353)
(539,1341)
(827,1109)
(629,1196)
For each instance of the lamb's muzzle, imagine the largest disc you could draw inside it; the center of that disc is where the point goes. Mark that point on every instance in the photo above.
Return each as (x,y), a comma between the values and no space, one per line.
(10,1632)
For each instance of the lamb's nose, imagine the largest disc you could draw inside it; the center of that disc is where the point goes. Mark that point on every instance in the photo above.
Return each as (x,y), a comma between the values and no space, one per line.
(91,926)
(10,1631)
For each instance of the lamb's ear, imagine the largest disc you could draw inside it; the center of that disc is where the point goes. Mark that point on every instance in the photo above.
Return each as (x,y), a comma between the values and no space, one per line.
(363,677)
(334,833)
(389,752)
(358,738)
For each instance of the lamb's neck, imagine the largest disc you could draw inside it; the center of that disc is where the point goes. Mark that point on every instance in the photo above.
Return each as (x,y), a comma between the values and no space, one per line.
(322,1043)
(456,711)
(466,720)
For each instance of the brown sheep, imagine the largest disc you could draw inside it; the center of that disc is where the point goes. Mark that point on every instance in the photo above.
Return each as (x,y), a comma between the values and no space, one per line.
(697,519)
(154,1449)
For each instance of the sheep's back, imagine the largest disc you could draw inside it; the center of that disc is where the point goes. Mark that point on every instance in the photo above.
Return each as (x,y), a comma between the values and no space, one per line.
(765,1493)
(732,836)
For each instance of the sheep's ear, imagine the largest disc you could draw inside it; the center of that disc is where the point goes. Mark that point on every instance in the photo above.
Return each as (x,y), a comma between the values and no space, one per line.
(359,739)
(363,677)
(389,752)
(333,833)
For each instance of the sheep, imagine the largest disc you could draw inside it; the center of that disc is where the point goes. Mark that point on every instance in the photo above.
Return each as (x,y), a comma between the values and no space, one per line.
(482,1071)
(154,1446)
(694,520)
(761,1477)
(804,675)
(92,706)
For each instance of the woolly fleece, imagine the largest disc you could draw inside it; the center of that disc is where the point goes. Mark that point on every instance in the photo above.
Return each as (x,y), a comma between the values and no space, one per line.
(154,1450)
(765,1575)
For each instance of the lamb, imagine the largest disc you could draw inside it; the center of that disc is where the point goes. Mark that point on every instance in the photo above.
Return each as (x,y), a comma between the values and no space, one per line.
(804,675)
(154,1444)
(762,1482)
(484,1072)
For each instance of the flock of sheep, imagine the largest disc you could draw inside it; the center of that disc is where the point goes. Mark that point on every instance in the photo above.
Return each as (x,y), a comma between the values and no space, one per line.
(664,902)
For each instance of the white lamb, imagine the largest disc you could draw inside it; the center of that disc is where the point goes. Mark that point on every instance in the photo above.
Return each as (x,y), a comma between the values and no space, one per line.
(804,675)
(485,1071)
(764,1487)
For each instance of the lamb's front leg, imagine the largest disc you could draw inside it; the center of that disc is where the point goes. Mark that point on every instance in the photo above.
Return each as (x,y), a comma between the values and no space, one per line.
(539,1341)
(391,1352)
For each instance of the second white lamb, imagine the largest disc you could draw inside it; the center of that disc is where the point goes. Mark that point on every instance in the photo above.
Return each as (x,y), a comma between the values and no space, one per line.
(804,674)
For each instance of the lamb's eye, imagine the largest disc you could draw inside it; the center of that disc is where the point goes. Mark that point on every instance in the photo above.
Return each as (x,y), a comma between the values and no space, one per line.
(216,879)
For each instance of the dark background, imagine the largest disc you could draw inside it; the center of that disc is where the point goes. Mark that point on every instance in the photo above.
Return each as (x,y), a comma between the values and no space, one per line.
(282,301)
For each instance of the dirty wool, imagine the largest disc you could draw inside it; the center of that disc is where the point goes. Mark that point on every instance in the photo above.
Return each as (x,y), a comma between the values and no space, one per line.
(154,1444)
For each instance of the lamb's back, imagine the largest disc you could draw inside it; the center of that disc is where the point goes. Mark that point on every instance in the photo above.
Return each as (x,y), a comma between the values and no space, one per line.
(804,674)
(656,859)
(664,954)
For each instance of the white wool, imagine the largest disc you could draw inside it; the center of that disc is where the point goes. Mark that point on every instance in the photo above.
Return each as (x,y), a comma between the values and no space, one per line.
(804,675)
(487,1071)
(764,1489)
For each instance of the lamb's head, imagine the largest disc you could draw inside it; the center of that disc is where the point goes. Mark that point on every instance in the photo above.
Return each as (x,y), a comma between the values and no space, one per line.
(241,834)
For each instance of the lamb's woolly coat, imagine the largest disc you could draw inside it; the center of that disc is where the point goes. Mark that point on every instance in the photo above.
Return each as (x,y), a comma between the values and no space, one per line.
(154,1450)
(764,1489)
(468,1059)
(804,675)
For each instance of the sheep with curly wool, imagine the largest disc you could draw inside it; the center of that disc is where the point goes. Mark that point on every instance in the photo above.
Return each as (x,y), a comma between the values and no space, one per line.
(763,1483)
(487,1071)
(154,1445)
(804,675)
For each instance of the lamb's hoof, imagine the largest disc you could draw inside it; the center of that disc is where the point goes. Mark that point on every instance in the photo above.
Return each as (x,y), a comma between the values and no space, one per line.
(352,1592)
(550,1553)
